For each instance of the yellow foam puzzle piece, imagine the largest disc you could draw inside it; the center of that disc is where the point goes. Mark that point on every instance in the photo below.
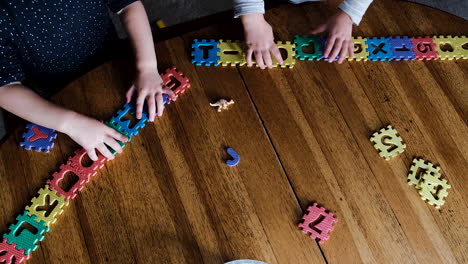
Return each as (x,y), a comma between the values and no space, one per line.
(360,49)
(231,53)
(290,53)
(55,201)
(418,168)
(388,143)
(449,48)
(433,189)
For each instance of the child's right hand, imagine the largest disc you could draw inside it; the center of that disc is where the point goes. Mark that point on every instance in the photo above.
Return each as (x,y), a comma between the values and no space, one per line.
(93,135)
(260,41)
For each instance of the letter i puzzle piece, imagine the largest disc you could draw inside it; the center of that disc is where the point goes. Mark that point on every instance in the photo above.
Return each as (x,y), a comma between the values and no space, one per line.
(379,49)
(24,238)
(388,143)
(433,190)
(402,48)
(318,223)
(38,138)
(47,198)
(231,53)
(314,42)
(451,47)
(425,48)
(205,52)
(10,255)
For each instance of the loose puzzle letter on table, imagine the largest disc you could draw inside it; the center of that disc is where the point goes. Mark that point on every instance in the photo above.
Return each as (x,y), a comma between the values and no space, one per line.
(10,255)
(433,189)
(388,143)
(38,138)
(318,223)
(418,168)
(47,197)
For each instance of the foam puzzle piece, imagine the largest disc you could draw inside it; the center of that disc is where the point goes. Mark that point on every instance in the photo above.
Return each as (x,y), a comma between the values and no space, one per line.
(360,49)
(124,125)
(418,168)
(321,220)
(47,197)
(176,81)
(433,190)
(235,157)
(425,48)
(38,138)
(303,41)
(379,49)
(222,104)
(166,99)
(388,143)
(25,239)
(324,45)
(10,255)
(112,151)
(290,60)
(402,48)
(451,47)
(118,129)
(231,53)
(205,52)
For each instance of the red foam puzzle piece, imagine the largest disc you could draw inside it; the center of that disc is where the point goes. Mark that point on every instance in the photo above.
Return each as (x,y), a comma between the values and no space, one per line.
(38,134)
(425,48)
(318,223)
(168,81)
(9,254)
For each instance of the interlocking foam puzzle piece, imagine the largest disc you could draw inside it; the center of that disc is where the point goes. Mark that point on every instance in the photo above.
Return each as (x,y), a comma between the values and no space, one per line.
(324,45)
(10,255)
(57,203)
(231,53)
(425,48)
(360,49)
(379,49)
(235,157)
(433,190)
(388,143)
(321,229)
(38,138)
(179,86)
(290,54)
(451,47)
(418,168)
(25,239)
(304,41)
(112,151)
(205,56)
(124,125)
(166,99)
(402,48)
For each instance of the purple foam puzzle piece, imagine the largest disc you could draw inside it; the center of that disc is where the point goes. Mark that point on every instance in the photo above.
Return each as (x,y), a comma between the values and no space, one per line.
(38,138)
(402,48)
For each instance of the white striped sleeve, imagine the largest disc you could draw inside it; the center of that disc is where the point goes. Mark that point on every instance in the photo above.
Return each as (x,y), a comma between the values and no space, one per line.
(355,9)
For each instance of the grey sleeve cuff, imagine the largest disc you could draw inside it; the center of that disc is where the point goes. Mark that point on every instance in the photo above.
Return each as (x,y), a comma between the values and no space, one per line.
(355,9)
(242,7)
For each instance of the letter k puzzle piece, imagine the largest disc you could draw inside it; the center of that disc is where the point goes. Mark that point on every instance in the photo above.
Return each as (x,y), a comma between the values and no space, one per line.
(10,255)
(47,198)
(38,138)
(318,223)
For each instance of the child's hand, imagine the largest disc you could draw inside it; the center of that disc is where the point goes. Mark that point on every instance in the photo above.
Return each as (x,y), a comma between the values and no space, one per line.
(149,86)
(260,41)
(93,135)
(339,41)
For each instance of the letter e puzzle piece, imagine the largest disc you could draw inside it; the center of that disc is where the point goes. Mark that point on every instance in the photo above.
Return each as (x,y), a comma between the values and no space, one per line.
(360,49)
(231,53)
(38,138)
(24,238)
(10,255)
(402,48)
(47,206)
(418,168)
(425,48)
(379,49)
(388,143)
(312,42)
(318,223)
(433,190)
(451,47)
(176,81)
(205,52)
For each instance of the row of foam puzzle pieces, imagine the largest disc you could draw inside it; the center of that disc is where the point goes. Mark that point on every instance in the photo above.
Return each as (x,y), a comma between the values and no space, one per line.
(423,174)
(18,244)
(227,52)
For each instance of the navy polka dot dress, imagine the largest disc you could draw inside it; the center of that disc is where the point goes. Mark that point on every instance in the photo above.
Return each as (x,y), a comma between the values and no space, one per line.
(48,39)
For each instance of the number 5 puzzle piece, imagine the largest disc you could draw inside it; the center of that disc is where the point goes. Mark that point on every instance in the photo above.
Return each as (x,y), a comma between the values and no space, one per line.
(433,189)
(10,255)
(47,198)
(22,237)
(388,143)
(318,223)
(418,168)
(425,48)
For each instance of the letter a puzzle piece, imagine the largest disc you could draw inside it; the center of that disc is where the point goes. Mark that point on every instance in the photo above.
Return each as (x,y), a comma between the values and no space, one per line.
(360,49)
(425,48)
(314,42)
(418,168)
(10,255)
(433,189)
(379,49)
(205,52)
(231,53)
(451,47)
(38,138)
(123,126)
(402,48)
(23,238)
(318,223)
(388,143)
(176,81)
(47,197)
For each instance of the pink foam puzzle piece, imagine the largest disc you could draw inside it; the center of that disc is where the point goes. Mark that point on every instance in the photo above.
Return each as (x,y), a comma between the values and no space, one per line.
(9,254)
(318,223)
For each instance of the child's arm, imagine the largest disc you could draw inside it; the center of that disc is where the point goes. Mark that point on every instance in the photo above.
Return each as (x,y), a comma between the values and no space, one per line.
(89,133)
(148,84)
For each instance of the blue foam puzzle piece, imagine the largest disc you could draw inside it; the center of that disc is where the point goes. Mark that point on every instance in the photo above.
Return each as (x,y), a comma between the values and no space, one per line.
(235,157)
(198,54)
(402,48)
(41,144)
(324,44)
(379,49)
(166,99)
(26,240)
(123,126)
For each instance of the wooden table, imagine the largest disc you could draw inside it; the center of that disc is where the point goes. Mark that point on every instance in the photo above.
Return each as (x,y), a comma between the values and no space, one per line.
(303,136)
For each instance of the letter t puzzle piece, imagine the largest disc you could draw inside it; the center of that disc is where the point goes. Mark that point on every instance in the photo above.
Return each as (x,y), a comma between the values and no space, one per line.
(49,198)
(433,189)
(205,52)
(318,223)
(388,143)
(10,255)
(38,138)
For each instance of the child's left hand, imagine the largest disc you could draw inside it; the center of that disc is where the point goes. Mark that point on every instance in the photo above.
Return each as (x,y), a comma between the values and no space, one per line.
(340,28)
(150,88)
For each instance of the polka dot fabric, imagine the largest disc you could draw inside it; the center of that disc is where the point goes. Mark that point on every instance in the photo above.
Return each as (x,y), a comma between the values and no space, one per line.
(47,39)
